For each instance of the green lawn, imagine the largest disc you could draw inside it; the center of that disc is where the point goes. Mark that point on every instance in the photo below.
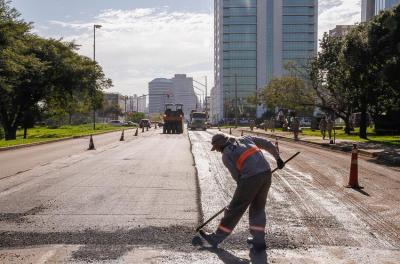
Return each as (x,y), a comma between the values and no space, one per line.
(372,137)
(41,134)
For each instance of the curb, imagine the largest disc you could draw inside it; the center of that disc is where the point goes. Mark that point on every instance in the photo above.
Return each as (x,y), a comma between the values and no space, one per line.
(54,141)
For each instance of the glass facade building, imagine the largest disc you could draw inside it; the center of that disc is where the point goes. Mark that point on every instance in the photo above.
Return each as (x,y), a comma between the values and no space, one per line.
(370,8)
(384,4)
(253,40)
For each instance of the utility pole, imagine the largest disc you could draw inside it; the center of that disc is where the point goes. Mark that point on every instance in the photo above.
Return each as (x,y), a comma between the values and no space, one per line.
(94,88)
(206,98)
(236,102)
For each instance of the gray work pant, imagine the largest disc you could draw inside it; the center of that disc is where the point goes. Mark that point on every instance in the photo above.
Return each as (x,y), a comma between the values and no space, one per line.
(251,192)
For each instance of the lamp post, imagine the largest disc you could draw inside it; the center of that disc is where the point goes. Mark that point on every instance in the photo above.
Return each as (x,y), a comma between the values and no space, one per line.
(94,87)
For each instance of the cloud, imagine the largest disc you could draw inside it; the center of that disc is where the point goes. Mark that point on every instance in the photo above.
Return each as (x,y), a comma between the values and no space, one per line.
(135,46)
(337,12)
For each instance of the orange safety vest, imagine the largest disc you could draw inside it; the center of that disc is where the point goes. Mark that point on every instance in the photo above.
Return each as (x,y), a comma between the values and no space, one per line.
(244,156)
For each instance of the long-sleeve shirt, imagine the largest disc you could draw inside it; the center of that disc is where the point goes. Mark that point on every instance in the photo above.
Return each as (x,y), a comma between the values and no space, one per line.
(243,156)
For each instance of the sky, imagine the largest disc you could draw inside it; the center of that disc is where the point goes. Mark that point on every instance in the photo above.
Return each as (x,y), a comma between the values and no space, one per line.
(145,39)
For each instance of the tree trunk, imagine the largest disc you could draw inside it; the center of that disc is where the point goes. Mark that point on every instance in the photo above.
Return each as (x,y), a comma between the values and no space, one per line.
(363,120)
(10,132)
(347,128)
(25,132)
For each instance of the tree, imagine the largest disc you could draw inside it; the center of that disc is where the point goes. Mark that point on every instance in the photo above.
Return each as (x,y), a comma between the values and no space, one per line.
(289,92)
(34,70)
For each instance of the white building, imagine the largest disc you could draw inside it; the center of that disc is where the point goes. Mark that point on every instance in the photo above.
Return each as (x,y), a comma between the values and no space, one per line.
(161,91)
(254,39)
(178,90)
(184,93)
(370,8)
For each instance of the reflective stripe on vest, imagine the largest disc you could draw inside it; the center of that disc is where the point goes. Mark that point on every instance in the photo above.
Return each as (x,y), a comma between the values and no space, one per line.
(244,156)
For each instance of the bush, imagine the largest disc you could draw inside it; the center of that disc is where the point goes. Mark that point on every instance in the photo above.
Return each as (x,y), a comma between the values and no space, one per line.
(2,134)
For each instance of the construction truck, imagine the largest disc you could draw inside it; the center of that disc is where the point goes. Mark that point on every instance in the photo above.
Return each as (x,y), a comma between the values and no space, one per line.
(198,120)
(173,119)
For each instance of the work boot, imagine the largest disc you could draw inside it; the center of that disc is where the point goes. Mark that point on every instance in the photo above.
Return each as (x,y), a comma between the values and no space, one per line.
(212,238)
(256,245)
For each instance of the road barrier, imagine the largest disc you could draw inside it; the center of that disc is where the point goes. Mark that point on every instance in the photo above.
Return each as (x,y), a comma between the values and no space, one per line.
(353,179)
(91,143)
(277,145)
(137,132)
(122,135)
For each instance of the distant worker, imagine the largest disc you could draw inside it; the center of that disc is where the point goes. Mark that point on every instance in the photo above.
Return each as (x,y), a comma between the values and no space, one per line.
(249,168)
(329,127)
(296,128)
(272,124)
(322,127)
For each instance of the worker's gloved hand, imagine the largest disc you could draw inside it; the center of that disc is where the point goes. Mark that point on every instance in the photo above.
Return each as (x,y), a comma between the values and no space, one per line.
(280,163)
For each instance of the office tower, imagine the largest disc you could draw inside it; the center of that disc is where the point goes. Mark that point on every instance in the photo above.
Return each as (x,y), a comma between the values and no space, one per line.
(253,41)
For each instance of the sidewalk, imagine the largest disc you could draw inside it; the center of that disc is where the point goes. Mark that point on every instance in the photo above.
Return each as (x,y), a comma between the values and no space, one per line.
(381,152)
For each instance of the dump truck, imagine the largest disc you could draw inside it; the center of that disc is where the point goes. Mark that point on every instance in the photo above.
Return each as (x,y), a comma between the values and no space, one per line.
(198,120)
(173,119)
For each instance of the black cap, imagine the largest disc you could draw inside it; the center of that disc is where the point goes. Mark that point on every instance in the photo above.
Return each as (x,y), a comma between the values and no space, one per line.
(219,140)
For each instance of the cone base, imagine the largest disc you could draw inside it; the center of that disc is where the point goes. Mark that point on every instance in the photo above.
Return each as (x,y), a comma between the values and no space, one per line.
(354,187)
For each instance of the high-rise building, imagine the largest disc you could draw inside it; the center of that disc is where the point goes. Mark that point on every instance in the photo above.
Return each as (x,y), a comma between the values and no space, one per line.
(178,90)
(160,93)
(184,93)
(253,41)
(370,8)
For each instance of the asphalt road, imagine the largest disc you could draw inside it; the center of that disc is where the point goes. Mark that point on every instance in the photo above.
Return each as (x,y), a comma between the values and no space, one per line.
(312,217)
(139,201)
(20,160)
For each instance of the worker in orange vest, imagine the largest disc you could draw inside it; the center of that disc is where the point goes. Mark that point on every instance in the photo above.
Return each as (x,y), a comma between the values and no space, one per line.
(252,172)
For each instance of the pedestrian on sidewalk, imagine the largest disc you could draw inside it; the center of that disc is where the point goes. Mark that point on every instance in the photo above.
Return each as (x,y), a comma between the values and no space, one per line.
(329,127)
(272,125)
(322,126)
(296,128)
(249,168)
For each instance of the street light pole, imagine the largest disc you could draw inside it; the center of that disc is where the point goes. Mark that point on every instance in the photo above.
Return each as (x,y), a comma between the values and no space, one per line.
(94,86)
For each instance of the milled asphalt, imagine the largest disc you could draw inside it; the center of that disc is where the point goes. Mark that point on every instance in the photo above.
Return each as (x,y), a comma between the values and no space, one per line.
(137,202)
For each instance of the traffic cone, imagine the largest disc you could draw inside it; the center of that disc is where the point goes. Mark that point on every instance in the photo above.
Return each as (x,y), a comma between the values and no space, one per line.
(137,132)
(122,136)
(277,145)
(91,144)
(230,131)
(353,180)
(242,133)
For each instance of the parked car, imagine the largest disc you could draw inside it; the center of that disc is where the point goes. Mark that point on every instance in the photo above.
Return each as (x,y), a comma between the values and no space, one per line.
(145,123)
(132,124)
(116,123)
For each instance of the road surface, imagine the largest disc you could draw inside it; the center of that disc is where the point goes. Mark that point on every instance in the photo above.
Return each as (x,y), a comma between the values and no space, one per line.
(139,201)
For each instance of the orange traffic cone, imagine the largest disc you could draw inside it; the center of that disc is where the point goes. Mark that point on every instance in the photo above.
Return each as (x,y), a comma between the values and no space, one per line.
(277,145)
(122,136)
(242,133)
(137,132)
(353,180)
(91,143)
(230,131)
